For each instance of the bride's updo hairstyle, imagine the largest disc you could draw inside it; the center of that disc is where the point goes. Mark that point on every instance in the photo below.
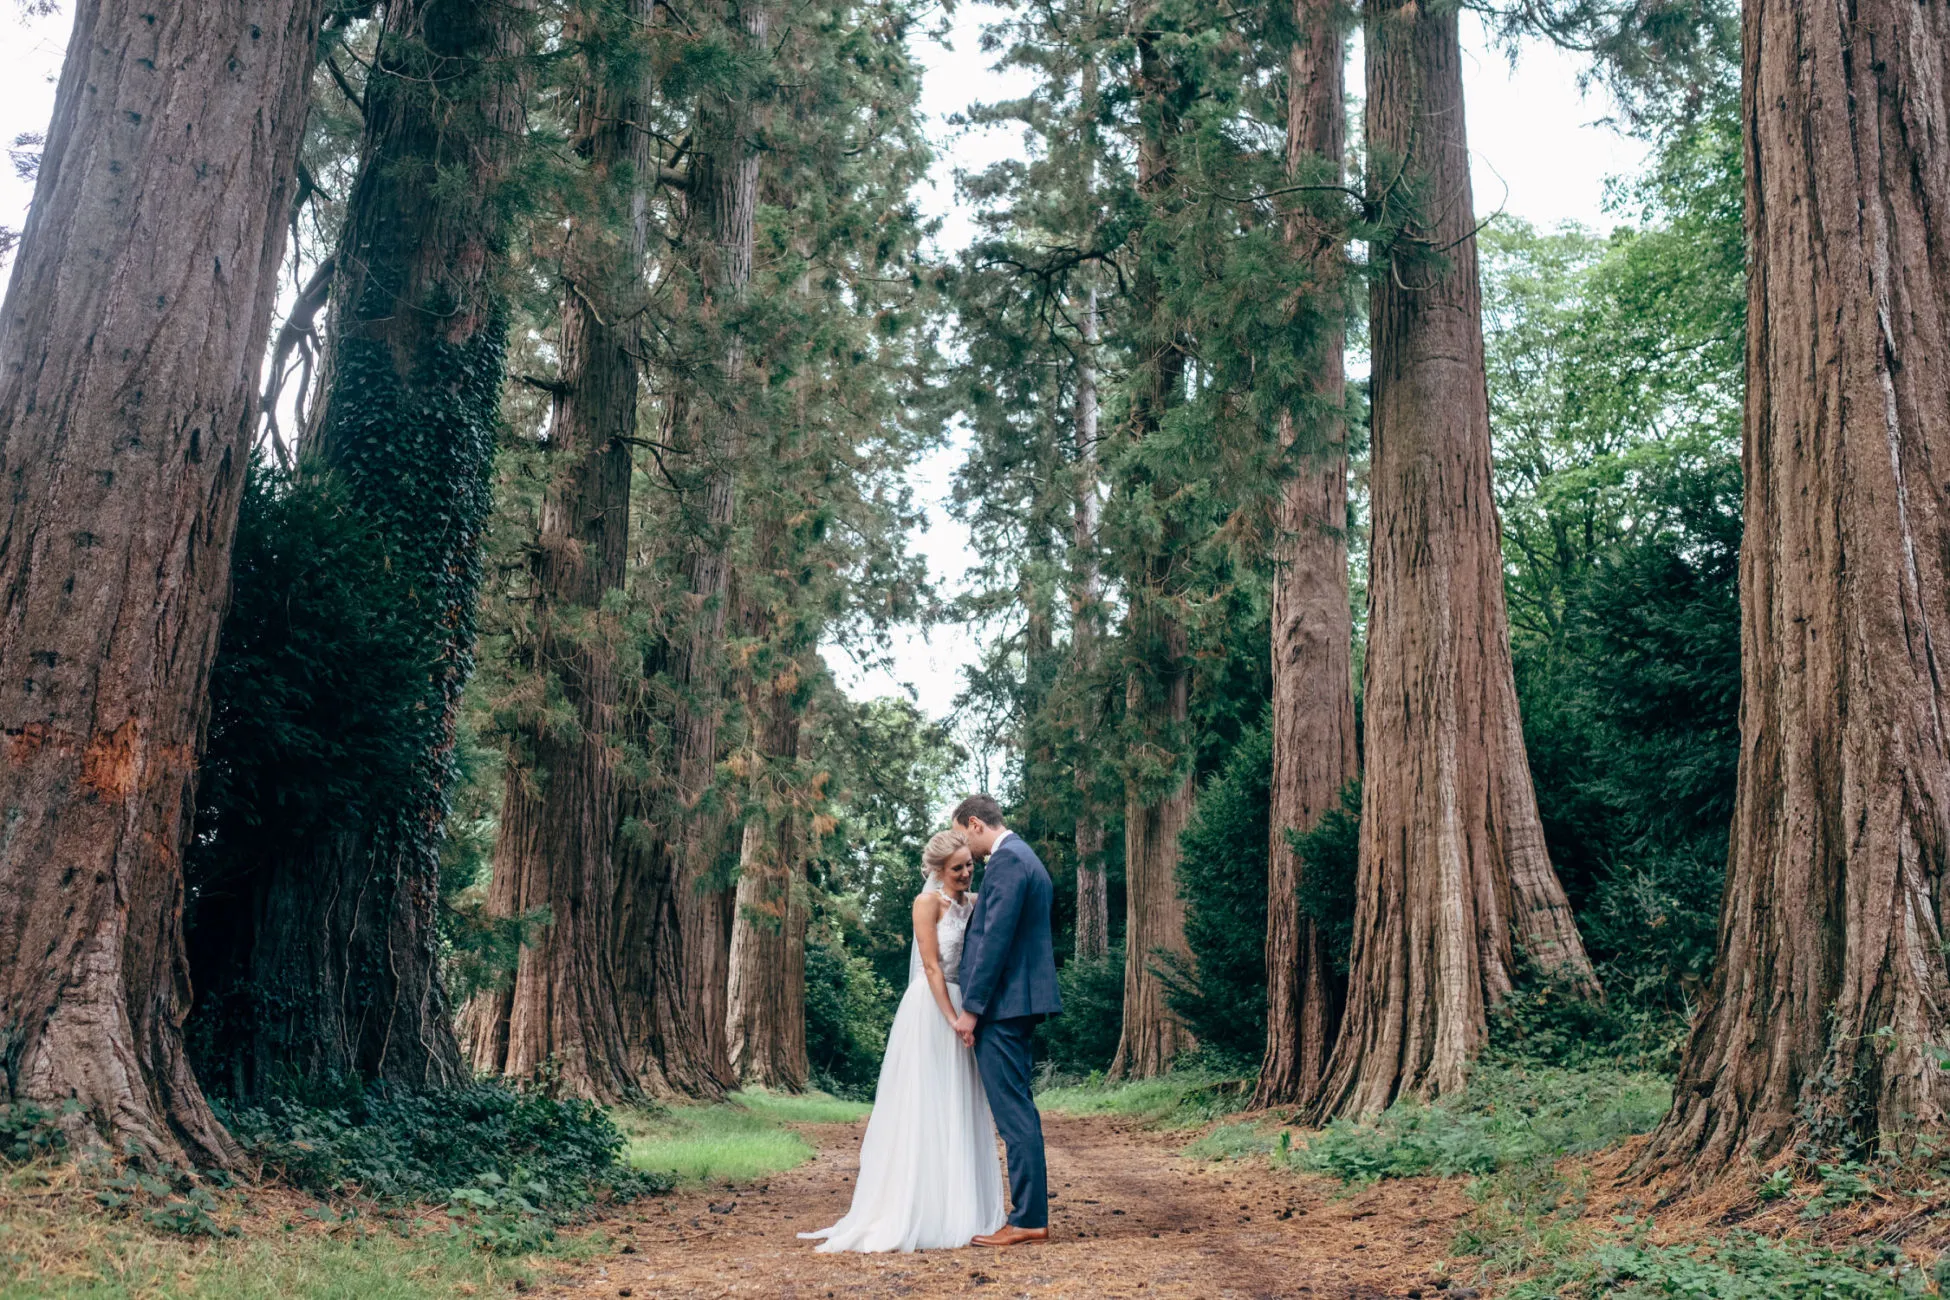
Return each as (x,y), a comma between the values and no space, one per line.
(942,847)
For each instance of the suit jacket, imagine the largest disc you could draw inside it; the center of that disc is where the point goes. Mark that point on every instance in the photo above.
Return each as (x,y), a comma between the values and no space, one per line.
(1008,960)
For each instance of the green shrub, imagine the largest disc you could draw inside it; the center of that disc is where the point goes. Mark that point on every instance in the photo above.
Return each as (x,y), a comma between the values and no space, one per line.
(848,1011)
(1741,1267)
(1506,1114)
(1330,852)
(513,1164)
(1084,1038)
(1221,993)
(30,1132)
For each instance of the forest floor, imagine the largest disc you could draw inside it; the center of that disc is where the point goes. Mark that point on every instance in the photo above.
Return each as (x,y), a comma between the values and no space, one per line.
(1130,1216)
(1521,1187)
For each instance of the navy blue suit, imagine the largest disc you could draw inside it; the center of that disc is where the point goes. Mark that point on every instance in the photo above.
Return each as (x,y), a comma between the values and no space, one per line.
(1008,983)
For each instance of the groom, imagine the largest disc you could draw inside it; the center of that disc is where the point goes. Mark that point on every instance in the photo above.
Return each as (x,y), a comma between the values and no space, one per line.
(1008,985)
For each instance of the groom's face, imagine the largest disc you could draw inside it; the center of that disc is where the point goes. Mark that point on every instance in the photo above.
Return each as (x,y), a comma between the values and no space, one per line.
(981,836)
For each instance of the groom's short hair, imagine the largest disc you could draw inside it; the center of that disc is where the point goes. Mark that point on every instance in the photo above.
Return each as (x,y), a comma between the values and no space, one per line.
(979,807)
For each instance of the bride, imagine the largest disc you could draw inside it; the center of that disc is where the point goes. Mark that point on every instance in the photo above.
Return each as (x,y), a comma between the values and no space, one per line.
(929,1177)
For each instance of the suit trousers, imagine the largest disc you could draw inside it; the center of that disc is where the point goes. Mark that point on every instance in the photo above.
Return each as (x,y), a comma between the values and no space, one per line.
(1002,1056)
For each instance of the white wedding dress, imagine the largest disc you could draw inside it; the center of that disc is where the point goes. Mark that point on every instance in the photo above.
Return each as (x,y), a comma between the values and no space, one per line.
(929,1177)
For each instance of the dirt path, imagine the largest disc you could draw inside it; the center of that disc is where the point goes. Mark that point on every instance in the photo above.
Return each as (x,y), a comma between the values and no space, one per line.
(1130,1218)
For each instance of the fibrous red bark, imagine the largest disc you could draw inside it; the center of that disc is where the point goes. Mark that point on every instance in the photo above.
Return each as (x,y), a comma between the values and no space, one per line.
(1158,689)
(766,1002)
(130,341)
(558,815)
(1828,1006)
(1453,874)
(678,866)
(1313,633)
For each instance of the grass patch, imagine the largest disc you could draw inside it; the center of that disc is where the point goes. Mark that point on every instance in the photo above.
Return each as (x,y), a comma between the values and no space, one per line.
(1506,1115)
(1181,1099)
(57,1242)
(734,1141)
(1234,1142)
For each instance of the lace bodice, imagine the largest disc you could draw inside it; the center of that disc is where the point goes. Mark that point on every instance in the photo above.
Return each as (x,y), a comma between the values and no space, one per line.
(949,932)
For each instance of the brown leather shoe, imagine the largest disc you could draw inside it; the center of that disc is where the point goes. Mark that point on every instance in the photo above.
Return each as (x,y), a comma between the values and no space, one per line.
(1011,1235)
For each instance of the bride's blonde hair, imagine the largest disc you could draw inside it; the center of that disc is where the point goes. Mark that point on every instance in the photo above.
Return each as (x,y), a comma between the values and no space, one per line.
(943,846)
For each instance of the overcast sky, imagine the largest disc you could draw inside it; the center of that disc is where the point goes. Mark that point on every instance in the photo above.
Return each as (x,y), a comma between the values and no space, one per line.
(1540,152)
(1539,148)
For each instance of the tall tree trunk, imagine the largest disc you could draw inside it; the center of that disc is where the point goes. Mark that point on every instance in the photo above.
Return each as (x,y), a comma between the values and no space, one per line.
(559,811)
(1313,628)
(1829,997)
(1086,614)
(1154,914)
(766,1014)
(1158,691)
(1453,872)
(345,964)
(130,342)
(723,188)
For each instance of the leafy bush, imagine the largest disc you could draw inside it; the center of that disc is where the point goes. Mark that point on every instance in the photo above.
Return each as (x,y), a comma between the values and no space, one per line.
(848,1011)
(1084,1038)
(1506,1114)
(1221,995)
(30,1132)
(1741,1267)
(514,1164)
(1330,851)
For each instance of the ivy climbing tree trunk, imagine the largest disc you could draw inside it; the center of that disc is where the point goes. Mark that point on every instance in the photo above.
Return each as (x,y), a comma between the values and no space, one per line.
(1827,1011)
(723,206)
(1453,873)
(1313,632)
(344,962)
(134,326)
(558,814)
(1159,790)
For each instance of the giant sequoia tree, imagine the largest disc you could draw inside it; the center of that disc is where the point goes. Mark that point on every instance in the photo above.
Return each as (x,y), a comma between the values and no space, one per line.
(1160,790)
(558,813)
(1313,632)
(130,342)
(674,930)
(339,945)
(1454,877)
(1829,1001)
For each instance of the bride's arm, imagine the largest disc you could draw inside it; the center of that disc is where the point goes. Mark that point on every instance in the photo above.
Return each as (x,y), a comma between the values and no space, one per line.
(927,911)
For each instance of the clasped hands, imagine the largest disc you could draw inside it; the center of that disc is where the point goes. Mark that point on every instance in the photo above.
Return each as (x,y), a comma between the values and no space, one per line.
(965,1029)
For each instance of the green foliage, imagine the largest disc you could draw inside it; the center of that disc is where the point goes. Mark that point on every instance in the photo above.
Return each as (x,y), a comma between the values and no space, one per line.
(848,1012)
(512,1164)
(1616,371)
(1739,1267)
(314,721)
(177,1204)
(1083,1039)
(1222,877)
(1506,1115)
(31,1132)
(1330,856)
